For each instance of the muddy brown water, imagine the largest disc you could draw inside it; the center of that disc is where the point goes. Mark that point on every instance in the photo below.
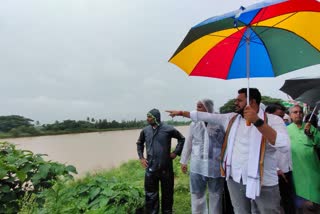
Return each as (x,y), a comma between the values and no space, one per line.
(88,152)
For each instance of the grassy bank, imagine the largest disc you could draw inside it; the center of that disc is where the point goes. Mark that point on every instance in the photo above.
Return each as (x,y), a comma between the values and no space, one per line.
(133,173)
(31,185)
(119,190)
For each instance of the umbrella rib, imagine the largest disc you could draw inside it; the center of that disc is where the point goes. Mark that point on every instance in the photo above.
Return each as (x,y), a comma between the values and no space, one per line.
(242,41)
(224,36)
(237,38)
(273,25)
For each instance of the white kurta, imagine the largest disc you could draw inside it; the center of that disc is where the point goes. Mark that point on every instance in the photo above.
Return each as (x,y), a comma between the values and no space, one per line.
(239,166)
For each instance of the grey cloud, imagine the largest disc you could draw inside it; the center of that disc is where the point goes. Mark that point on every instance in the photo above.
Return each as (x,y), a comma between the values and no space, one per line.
(69,59)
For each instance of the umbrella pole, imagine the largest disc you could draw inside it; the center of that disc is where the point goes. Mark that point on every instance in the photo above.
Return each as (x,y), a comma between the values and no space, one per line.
(248,63)
(313,112)
(248,68)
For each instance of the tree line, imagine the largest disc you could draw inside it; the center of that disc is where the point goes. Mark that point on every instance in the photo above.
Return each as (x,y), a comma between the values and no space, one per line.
(266,100)
(19,126)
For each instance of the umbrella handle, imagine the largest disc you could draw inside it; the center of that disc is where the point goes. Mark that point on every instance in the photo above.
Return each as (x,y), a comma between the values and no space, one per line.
(313,112)
(248,123)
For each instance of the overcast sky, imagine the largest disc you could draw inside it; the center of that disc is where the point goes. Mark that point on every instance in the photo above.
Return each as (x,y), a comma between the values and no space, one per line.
(73,59)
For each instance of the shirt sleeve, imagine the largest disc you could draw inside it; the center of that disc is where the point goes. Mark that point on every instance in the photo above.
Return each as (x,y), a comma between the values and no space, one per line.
(217,119)
(140,144)
(316,136)
(181,139)
(187,148)
(282,140)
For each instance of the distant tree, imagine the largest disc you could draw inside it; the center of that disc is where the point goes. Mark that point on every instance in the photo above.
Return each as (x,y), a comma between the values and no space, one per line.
(178,123)
(227,107)
(102,124)
(24,131)
(93,120)
(13,121)
(115,124)
(266,100)
(269,100)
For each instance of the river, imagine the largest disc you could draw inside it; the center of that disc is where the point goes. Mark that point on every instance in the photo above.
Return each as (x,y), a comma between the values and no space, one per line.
(88,152)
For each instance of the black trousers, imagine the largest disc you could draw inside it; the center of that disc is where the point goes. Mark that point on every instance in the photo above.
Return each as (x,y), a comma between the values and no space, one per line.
(151,186)
(226,201)
(287,193)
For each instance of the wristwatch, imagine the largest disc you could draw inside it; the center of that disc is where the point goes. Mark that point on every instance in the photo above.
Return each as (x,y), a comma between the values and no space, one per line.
(258,123)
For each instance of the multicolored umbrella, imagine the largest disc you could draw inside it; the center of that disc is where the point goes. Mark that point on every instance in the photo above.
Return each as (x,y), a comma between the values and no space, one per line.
(264,40)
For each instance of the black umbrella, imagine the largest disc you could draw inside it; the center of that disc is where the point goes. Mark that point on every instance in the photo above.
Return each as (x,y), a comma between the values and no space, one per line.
(304,89)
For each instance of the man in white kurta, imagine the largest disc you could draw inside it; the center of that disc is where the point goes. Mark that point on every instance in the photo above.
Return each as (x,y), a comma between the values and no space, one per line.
(248,191)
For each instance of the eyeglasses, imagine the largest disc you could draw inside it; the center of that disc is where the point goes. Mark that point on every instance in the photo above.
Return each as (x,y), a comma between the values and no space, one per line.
(296,112)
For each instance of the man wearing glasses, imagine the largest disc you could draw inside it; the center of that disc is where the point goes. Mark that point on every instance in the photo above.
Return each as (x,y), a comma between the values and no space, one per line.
(306,165)
(284,167)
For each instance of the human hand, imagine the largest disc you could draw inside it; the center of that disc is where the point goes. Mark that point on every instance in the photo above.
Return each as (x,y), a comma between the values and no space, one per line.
(280,173)
(307,128)
(173,155)
(184,168)
(250,114)
(144,162)
(173,113)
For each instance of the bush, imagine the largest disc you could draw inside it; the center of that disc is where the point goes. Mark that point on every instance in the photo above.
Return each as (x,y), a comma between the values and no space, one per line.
(23,174)
(91,195)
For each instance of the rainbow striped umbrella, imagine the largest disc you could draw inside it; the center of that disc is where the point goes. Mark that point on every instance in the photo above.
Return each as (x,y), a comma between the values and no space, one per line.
(263,40)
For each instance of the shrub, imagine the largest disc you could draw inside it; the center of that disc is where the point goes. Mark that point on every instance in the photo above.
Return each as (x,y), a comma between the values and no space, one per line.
(91,195)
(23,174)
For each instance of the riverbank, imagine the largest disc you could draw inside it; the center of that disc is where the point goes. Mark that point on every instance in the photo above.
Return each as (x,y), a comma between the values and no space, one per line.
(11,130)
(64,132)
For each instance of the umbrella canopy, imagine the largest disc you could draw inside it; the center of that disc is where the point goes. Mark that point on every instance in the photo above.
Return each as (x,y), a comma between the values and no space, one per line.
(311,97)
(264,40)
(304,89)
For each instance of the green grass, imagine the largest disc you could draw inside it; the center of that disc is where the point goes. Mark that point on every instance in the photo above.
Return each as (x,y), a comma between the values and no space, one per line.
(93,193)
(133,173)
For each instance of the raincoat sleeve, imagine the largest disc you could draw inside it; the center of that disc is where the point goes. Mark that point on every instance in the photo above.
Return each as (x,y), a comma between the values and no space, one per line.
(181,139)
(140,144)
(282,140)
(187,148)
(216,119)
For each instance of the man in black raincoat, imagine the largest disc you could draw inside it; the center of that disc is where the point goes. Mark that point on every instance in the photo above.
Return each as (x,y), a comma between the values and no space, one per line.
(158,164)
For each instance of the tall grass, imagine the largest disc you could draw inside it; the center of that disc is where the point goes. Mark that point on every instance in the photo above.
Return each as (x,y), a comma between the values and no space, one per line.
(133,173)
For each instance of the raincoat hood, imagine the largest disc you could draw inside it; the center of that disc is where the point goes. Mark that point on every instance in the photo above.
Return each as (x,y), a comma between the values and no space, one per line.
(155,114)
(208,104)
